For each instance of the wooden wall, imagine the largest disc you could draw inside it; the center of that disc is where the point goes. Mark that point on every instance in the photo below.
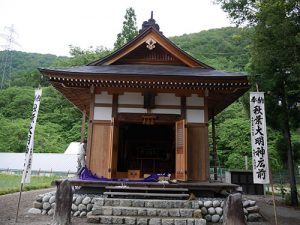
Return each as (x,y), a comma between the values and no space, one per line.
(198,153)
(100,155)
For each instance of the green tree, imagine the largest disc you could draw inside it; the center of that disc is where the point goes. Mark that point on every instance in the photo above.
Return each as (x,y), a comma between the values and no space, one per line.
(81,57)
(129,30)
(275,64)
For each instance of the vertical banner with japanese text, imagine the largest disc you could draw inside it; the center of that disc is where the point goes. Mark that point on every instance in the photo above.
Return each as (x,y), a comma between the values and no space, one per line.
(29,145)
(259,139)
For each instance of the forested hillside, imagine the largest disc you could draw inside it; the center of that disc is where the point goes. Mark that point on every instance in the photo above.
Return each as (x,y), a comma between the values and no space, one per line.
(225,49)
(24,67)
(59,122)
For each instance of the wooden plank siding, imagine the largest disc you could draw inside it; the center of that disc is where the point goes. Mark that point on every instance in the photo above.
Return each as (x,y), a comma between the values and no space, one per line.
(100,154)
(198,153)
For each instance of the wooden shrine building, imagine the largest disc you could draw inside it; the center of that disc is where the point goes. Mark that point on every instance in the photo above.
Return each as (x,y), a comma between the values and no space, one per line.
(148,105)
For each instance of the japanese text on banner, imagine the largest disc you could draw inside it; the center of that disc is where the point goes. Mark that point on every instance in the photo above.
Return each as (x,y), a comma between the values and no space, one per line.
(29,146)
(259,138)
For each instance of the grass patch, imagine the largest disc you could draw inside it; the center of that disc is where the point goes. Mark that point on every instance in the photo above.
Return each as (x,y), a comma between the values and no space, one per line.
(11,183)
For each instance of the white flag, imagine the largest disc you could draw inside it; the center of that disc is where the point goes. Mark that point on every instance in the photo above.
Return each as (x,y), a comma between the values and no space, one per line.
(29,146)
(260,159)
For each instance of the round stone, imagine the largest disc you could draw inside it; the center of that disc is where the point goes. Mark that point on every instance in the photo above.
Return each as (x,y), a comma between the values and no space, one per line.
(200,203)
(44,212)
(82,207)
(82,214)
(53,205)
(52,199)
(74,207)
(253,209)
(204,210)
(46,205)
(46,198)
(254,217)
(215,218)
(246,203)
(51,212)
(89,207)
(208,218)
(197,213)
(252,203)
(216,203)
(77,213)
(222,204)
(211,211)
(34,211)
(74,199)
(37,205)
(86,200)
(78,200)
(39,198)
(208,204)
(219,211)
(245,211)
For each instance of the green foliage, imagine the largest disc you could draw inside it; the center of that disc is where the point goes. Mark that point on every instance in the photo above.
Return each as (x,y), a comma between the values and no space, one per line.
(233,139)
(129,30)
(82,56)
(58,120)
(24,67)
(225,49)
(275,64)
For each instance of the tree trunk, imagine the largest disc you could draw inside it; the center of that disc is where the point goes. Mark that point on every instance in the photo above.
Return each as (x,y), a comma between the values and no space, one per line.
(233,210)
(290,155)
(63,200)
(290,164)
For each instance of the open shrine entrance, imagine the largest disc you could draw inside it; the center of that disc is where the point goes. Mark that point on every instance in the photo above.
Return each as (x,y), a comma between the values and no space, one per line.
(146,148)
(158,147)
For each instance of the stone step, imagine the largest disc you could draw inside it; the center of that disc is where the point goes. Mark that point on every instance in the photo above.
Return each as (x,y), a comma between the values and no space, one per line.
(148,203)
(139,211)
(142,220)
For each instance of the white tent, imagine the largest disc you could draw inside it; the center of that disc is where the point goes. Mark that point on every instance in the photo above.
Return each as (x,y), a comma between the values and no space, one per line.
(73,148)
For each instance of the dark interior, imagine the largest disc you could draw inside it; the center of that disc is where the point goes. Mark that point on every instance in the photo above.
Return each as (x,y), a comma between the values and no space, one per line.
(148,148)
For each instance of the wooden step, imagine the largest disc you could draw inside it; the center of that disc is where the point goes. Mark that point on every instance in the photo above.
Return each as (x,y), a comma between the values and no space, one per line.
(111,193)
(146,189)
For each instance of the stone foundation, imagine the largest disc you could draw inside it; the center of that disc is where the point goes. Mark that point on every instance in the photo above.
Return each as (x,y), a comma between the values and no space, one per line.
(144,211)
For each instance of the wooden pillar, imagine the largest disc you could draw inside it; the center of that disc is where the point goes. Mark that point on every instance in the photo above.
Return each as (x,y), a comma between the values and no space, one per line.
(115,106)
(83,125)
(213,133)
(183,107)
(90,129)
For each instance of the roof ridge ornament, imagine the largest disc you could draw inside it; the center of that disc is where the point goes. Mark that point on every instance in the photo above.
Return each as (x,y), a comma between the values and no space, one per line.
(150,23)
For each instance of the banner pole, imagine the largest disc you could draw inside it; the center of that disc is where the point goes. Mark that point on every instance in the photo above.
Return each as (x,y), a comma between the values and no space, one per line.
(21,188)
(273,196)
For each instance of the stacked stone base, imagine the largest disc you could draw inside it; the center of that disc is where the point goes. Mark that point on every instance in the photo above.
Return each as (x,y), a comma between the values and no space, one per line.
(104,210)
(146,212)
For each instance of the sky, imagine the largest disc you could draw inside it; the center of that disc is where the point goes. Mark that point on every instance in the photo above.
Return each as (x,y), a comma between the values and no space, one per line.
(50,26)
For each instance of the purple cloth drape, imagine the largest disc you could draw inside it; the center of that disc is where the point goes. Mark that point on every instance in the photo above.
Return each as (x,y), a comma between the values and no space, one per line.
(87,175)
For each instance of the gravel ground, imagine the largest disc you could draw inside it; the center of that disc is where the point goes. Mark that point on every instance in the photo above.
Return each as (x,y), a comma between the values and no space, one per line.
(8,208)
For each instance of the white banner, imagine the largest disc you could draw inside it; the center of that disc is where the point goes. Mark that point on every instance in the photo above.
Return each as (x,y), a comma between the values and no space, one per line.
(260,159)
(29,146)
